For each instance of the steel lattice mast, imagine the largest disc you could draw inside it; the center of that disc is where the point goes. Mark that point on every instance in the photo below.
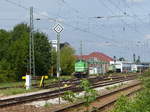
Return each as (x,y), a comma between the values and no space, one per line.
(31,46)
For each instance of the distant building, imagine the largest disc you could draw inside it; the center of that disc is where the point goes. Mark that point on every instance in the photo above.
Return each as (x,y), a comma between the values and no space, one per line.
(54,44)
(64,44)
(122,66)
(127,66)
(98,62)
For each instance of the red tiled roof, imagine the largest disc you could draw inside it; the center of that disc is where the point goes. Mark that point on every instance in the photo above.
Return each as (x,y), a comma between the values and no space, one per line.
(97,55)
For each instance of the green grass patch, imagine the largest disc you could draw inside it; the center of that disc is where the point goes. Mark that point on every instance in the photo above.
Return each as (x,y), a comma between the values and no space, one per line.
(11,84)
(51,80)
(115,86)
(14,91)
(139,103)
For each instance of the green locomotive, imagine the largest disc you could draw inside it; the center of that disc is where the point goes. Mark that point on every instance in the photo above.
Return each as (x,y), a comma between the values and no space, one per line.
(111,68)
(81,69)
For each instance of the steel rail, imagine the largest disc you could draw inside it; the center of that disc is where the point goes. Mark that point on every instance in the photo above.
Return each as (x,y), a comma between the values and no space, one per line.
(65,109)
(68,81)
(52,94)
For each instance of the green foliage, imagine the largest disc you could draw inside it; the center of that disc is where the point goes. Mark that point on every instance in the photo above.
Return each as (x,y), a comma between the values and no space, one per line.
(67,59)
(4,43)
(85,84)
(69,96)
(141,103)
(146,72)
(12,91)
(14,53)
(122,105)
(42,54)
(146,82)
(121,59)
(53,62)
(89,94)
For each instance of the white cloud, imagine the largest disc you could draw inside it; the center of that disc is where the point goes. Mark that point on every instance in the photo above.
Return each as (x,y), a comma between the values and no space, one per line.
(147,36)
(135,0)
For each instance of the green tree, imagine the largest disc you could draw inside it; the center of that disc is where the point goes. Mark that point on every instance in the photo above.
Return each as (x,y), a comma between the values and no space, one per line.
(52,71)
(14,52)
(67,58)
(122,59)
(4,43)
(42,53)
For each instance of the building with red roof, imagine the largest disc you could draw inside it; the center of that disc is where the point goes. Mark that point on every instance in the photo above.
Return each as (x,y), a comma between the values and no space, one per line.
(98,62)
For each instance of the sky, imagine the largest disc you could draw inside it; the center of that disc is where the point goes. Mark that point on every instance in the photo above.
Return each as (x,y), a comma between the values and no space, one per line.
(114,27)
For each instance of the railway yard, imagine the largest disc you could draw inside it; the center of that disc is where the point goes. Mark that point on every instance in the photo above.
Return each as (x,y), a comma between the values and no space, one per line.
(74,56)
(47,100)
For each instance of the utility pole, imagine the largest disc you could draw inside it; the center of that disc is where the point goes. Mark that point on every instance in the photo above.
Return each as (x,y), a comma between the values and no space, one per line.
(134,58)
(58,54)
(31,47)
(58,28)
(33,56)
(81,50)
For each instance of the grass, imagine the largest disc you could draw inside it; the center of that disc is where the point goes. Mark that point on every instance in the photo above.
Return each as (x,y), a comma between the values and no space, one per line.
(47,104)
(11,84)
(115,86)
(21,83)
(15,91)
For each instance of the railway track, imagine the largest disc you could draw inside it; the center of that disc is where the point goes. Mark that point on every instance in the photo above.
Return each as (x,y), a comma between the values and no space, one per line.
(55,93)
(108,99)
(77,81)
(63,82)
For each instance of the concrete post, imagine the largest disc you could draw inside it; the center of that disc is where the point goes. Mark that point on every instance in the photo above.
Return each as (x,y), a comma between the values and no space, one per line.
(28,82)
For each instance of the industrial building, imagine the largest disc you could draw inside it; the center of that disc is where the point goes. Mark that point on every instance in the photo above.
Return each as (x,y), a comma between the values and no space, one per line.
(98,62)
(127,66)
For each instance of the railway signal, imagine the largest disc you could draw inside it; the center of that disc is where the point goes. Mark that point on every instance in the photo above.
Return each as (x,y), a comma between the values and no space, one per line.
(58,29)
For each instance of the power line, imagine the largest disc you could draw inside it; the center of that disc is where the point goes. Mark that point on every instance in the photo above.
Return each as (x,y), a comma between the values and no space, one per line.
(15,3)
(55,20)
(26,8)
(100,1)
(77,11)
(10,19)
(123,11)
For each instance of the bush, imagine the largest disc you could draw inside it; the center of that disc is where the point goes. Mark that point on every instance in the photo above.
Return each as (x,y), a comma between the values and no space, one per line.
(7,75)
(146,72)
(141,103)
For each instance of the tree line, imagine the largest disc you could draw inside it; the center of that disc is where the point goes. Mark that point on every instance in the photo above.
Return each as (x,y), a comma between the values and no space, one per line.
(14,54)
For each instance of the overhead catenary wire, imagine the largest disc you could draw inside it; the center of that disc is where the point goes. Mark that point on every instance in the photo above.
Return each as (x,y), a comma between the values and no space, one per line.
(74,27)
(86,31)
(19,5)
(100,1)
(27,8)
(56,20)
(113,13)
(134,15)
